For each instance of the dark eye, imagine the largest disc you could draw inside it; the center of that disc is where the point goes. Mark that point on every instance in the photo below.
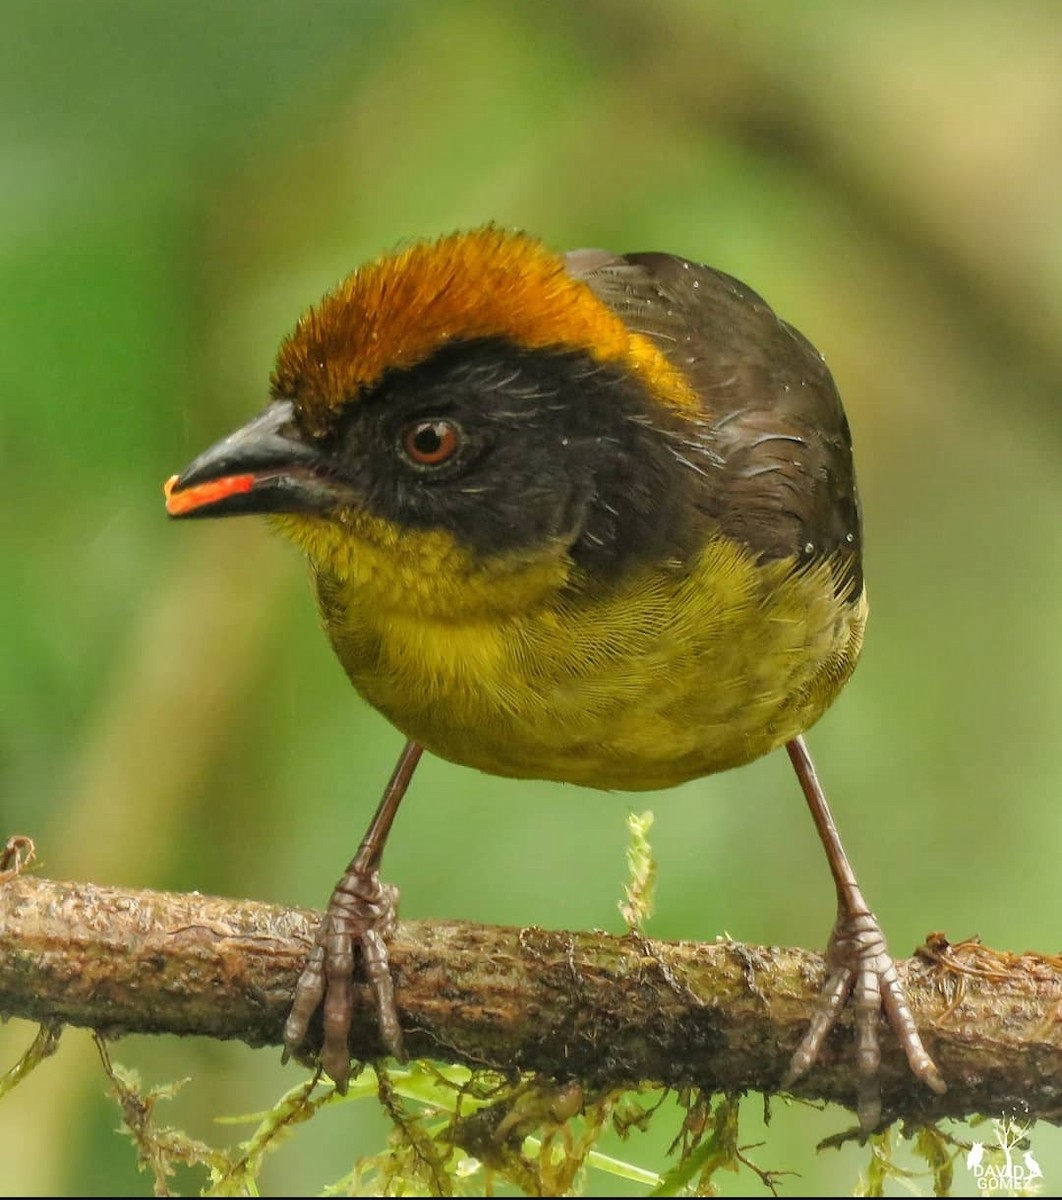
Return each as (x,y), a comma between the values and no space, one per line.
(430,443)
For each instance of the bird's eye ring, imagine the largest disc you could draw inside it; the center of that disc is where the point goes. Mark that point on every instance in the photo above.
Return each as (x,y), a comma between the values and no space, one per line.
(430,443)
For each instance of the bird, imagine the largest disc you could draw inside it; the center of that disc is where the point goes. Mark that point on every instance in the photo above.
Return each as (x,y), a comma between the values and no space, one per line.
(585,516)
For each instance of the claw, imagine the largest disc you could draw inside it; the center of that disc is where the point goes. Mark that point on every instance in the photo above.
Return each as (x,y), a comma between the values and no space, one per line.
(361,917)
(309,992)
(858,966)
(362,914)
(861,968)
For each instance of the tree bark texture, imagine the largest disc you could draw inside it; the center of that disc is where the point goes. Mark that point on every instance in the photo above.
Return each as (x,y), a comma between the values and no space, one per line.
(605,1010)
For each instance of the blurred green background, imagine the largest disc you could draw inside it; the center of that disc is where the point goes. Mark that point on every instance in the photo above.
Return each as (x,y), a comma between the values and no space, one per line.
(180,180)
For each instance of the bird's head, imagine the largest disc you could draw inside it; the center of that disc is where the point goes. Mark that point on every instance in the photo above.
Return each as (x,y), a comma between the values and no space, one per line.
(463,426)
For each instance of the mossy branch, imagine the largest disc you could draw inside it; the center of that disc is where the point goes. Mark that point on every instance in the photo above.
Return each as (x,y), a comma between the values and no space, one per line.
(606,1010)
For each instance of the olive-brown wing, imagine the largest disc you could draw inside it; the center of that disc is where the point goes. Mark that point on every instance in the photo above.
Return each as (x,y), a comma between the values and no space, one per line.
(785,483)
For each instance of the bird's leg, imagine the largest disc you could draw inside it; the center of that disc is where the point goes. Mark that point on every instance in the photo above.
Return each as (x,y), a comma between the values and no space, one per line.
(362,913)
(859,965)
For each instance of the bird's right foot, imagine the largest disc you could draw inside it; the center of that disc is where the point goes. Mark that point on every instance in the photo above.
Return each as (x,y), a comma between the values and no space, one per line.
(362,916)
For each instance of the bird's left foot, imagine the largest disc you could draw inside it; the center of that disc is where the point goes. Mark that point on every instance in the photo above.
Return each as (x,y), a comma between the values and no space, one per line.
(362,916)
(860,968)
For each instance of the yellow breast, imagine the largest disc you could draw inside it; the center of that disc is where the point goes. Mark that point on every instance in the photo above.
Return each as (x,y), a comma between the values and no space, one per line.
(674,674)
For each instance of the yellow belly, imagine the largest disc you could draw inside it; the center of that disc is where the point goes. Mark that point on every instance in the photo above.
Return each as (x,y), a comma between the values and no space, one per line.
(680,674)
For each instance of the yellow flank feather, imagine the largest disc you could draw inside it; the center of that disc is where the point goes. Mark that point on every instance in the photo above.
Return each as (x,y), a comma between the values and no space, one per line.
(518,667)
(489,283)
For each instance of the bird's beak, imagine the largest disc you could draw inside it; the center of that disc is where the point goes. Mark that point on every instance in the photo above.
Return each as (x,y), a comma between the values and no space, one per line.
(264,467)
